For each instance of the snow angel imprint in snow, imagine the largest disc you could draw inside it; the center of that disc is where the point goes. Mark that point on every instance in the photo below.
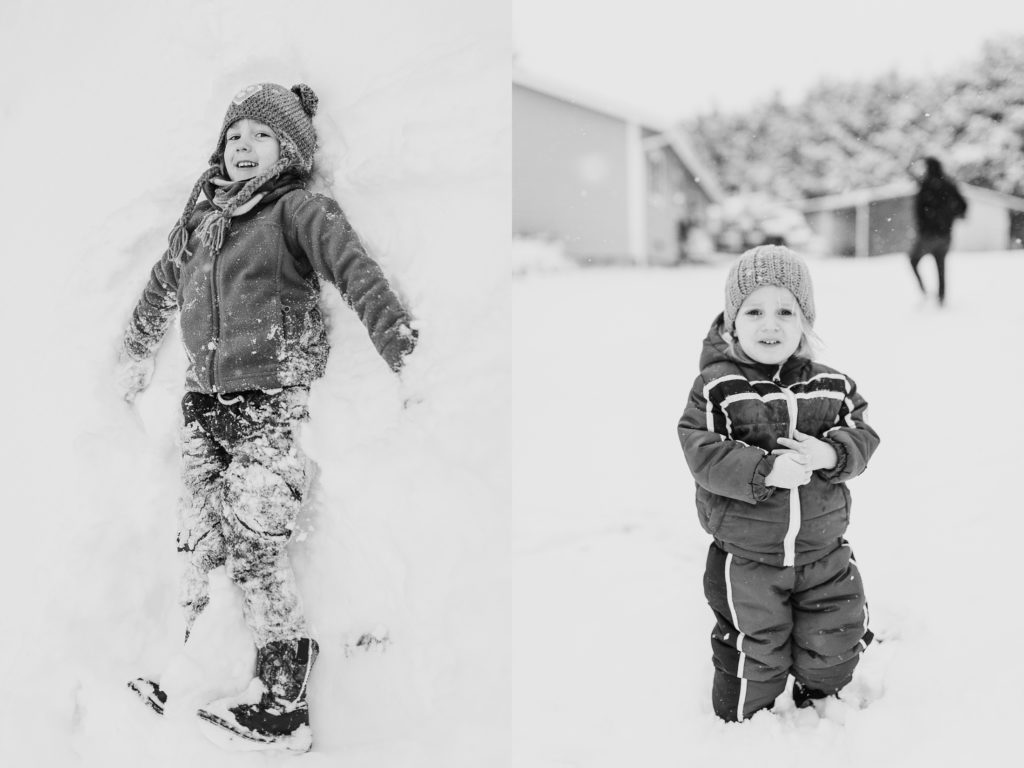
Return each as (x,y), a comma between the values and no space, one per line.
(242,270)
(771,438)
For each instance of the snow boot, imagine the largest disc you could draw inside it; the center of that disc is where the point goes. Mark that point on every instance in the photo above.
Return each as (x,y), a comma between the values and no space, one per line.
(273,712)
(805,697)
(150,693)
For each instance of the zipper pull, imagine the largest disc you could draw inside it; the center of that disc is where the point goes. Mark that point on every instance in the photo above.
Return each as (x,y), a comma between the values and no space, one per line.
(777,378)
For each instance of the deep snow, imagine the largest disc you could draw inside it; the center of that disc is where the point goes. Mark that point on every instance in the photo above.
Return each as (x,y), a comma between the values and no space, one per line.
(610,628)
(524,538)
(112,116)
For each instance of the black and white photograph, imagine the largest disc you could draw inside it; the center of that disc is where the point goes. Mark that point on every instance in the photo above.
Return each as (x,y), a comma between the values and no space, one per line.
(254,479)
(511,383)
(674,167)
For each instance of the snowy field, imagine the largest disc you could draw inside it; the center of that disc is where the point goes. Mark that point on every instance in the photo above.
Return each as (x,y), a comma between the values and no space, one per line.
(609,626)
(520,545)
(111,118)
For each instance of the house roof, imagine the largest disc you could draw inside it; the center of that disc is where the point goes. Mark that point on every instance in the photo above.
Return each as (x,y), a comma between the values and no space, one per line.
(664,135)
(896,190)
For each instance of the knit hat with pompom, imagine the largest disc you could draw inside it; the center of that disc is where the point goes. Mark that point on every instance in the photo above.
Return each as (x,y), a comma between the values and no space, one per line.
(768,265)
(289,113)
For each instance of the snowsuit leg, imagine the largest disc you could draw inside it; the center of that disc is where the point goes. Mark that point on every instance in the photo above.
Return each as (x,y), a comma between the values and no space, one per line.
(245,480)
(200,509)
(263,493)
(751,638)
(830,622)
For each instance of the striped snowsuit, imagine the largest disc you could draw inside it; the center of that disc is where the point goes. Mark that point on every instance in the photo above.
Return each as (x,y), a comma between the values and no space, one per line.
(780,578)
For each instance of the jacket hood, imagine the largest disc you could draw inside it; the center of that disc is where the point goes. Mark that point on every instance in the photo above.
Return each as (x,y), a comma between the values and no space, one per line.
(716,350)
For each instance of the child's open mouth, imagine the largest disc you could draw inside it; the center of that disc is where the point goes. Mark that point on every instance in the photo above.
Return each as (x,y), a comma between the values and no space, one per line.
(245,164)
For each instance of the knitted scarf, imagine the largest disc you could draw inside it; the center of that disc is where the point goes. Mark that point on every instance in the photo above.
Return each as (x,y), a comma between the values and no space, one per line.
(231,199)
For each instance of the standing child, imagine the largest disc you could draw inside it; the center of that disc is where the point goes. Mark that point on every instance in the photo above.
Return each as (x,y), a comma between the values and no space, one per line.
(242,270)
(771,438)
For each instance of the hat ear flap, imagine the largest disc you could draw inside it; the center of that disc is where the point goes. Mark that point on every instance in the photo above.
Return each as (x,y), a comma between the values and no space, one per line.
(306,96)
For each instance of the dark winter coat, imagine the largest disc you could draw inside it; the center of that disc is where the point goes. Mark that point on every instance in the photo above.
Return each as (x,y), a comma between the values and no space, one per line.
(249,313)
(737,411)
(938,203)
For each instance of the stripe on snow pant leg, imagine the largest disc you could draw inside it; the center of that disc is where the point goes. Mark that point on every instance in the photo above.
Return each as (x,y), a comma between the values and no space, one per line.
(739,639)
(868,635)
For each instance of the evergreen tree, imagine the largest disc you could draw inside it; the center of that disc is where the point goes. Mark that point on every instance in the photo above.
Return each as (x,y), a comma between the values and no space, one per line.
(852,135)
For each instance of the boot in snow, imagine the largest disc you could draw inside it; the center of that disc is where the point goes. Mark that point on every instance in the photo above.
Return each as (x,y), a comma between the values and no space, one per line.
(805,697)
(273,712)
(150,693)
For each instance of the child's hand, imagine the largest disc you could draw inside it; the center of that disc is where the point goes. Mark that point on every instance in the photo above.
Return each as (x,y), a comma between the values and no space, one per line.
(789,471)
(132,376)
(820,455)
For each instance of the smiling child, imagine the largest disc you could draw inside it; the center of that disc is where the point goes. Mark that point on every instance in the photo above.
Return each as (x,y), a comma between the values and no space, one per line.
(771,438)
(242,271)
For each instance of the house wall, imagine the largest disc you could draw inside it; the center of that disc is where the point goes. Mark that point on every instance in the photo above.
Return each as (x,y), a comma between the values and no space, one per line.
(988,226)
(570,176)
(666,207)
(836,229)
(891,225)
(675,204)
(985,228)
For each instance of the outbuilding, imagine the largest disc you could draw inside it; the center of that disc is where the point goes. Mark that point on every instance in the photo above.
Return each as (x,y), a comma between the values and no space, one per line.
(869,222)
(608,184)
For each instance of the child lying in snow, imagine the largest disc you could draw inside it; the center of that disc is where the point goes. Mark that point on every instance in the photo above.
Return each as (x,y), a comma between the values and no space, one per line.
(242,269)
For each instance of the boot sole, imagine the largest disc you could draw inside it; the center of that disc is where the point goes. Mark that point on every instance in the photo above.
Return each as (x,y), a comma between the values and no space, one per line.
(227,734)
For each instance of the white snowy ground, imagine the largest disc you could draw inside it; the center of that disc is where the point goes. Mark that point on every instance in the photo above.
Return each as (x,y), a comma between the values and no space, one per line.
(609,628)
(525,536)
(110,112)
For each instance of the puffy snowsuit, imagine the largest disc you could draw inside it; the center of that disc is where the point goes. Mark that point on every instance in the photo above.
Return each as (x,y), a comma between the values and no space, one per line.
(780,578)
(255,340)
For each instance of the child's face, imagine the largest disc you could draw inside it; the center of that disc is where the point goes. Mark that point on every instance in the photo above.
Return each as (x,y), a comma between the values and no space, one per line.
(250,148)
(768,325)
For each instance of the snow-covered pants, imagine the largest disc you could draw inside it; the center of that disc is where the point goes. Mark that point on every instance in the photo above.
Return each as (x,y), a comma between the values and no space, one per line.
(809,621)
(244,479)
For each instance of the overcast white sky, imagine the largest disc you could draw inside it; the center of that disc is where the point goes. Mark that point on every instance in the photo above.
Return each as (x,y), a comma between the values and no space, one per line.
(671,58)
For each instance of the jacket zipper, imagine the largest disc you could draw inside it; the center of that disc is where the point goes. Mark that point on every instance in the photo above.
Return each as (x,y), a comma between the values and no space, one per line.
(795,516)
(215,341)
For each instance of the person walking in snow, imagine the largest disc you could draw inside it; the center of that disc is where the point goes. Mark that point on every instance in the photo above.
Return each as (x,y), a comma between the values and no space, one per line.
(771,438)
(242,271)
(937,205)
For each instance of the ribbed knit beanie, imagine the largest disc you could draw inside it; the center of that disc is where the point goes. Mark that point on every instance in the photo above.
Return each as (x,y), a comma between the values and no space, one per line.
(768,265)
(289,113)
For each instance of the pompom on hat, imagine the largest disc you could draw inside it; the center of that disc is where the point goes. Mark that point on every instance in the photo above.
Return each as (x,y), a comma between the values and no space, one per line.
(289,113)
(768,265)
